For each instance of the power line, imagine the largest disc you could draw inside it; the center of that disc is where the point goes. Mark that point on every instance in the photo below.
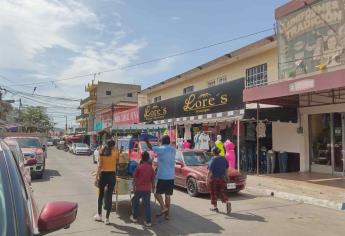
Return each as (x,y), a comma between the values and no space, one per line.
(150,60)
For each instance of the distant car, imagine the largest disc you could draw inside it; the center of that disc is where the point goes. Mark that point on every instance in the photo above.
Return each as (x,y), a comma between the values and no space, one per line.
(191,168)
(22,163)
(18,210)
(50,142)
(80,148)
(32,148)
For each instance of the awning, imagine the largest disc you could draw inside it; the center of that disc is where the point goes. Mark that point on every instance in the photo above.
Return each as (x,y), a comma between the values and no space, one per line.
(273,114)
(139,127)
(206,118)
(287,92)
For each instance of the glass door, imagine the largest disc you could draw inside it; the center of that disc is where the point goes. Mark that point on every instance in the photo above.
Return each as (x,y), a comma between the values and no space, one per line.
(339,140)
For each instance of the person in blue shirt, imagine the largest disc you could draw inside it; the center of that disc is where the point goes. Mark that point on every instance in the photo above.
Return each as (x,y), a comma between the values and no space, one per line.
(165,174)
(217,174)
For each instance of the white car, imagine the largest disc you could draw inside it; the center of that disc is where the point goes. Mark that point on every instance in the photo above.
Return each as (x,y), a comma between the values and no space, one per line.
(80,148)
(50,142)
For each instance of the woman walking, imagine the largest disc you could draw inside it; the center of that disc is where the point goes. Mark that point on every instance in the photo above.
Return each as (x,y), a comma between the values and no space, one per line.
(106,177)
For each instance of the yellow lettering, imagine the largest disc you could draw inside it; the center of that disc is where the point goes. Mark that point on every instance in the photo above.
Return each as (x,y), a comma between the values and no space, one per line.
(211,101)
(224,99)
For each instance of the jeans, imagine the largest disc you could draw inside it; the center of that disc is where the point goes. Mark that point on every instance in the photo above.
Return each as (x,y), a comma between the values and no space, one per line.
(271,162)
(147,205)
(107,179)
(283,158)
(251,157)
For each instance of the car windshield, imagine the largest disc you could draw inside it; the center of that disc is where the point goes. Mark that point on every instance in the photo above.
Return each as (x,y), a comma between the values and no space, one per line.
(28,142)
(81,145)
(195,158)
(144,146)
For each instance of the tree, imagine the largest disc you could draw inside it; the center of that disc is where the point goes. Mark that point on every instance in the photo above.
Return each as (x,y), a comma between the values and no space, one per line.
(5,109)
(35,119)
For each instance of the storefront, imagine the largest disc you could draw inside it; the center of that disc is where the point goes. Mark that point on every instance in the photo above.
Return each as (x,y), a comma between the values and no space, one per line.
(311,78)
(201,116)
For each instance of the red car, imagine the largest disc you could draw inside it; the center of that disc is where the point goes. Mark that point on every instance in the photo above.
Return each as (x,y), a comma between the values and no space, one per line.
(18,213)
(191,172)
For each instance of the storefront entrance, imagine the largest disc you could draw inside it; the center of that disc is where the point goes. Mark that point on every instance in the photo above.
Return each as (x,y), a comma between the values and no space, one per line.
(327,142)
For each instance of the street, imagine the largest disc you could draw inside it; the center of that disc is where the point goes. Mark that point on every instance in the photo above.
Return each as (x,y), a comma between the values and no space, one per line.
(69,177)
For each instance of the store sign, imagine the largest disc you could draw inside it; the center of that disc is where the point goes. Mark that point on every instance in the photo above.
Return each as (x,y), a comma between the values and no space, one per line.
(310,37)
(130,116)
(98,126)
(224,97)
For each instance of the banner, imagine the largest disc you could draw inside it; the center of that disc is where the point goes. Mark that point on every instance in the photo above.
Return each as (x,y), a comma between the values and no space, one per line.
(130,116)
(311,37)
(221,98)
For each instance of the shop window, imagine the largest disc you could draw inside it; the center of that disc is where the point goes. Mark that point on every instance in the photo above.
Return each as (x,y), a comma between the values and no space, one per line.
(108,92)
(157,99)
(211,83)
(256,76)
(188,89)
(320,139)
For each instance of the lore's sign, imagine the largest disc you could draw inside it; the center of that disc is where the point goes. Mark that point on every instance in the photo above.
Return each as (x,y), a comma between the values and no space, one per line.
(312,38)
(224,97)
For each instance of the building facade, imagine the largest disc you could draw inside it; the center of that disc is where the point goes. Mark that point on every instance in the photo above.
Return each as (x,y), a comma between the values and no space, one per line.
(208,100)
(311,39)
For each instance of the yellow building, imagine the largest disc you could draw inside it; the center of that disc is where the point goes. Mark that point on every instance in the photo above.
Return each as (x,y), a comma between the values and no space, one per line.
(88,107)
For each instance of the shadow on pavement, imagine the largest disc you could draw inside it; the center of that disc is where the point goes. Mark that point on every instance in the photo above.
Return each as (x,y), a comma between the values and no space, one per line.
(232,196)
(47,175)
(247,217)
(182,222)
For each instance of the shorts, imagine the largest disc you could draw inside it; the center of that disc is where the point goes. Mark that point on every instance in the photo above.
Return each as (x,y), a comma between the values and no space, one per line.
(165,186)
(217,186)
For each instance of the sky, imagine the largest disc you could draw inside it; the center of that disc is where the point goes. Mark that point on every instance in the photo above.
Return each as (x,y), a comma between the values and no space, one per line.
(43,41)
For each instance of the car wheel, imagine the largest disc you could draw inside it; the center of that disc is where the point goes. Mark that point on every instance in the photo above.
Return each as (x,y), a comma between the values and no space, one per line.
(192,187)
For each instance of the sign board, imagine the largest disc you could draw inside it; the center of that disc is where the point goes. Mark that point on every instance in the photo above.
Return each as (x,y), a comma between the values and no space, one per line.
(221,98)
(311,36)
(130,116)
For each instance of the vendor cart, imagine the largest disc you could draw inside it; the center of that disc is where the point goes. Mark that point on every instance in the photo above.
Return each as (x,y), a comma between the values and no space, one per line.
(124,186)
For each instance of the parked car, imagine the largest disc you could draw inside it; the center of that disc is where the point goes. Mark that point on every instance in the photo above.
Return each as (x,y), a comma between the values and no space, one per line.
(32,148)
(50,142)
(18,212)
(17,153)
(80,148)
(191,168)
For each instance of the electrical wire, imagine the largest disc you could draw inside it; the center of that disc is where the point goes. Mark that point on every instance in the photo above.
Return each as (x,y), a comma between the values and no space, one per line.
(150,60)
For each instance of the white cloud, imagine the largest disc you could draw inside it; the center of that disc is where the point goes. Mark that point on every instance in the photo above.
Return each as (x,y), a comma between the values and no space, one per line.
(176,18)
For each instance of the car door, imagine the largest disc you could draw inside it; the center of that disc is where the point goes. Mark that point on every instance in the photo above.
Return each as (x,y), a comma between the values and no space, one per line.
(179,178)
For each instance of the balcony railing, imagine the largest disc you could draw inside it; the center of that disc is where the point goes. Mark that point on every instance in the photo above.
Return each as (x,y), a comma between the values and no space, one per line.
(83,101)
(82,116)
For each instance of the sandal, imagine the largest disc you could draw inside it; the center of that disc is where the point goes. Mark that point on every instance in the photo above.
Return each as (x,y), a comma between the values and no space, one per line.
(167,215)
(162,213)
(214,209)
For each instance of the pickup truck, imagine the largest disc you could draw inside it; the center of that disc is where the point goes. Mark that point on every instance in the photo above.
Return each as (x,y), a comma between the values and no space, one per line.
(32,147)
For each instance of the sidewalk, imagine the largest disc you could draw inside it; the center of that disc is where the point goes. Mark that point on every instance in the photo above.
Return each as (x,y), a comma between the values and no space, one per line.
(311,188)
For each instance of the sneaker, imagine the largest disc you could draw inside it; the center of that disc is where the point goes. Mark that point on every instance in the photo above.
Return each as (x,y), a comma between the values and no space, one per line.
(147,224)
(228,207)
(97,217)
(107,222)
(133,219)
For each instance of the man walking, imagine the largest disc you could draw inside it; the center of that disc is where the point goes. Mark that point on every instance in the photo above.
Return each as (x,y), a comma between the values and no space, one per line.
(217,174)
(165,174)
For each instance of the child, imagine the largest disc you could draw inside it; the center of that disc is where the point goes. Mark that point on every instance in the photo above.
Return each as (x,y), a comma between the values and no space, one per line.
(144,177)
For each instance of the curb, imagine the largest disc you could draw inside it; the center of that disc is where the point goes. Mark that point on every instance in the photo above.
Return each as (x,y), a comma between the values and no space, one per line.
(299,198)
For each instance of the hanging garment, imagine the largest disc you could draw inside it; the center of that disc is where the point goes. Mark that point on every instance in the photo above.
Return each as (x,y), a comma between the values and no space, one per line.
(197,141)
(250,132)
(261,130)
(204,141)
(186,144)
(187,132)
(230,153)
(220,146)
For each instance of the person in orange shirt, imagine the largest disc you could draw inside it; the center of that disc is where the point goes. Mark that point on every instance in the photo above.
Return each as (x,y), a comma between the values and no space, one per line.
(106,177)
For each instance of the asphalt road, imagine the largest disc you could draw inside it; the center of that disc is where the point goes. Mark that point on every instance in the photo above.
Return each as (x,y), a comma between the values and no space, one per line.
(69,177)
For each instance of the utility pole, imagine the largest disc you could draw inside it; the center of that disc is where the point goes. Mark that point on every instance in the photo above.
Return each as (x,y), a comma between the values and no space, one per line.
(66,125)
(19,115)
(112,114)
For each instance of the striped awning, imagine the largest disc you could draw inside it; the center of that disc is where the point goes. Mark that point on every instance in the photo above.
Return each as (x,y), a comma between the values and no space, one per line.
(206,118)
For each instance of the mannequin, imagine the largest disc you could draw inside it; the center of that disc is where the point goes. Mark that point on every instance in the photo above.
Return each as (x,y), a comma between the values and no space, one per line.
(185,144)
(220,145)
(230,153)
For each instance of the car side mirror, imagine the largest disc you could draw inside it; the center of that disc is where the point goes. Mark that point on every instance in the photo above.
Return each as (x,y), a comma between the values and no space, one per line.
(57,215)
(180,163)
(30,162)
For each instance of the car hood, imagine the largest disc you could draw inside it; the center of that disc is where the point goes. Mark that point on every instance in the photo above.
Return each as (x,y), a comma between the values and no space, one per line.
(203,170)
(32,150)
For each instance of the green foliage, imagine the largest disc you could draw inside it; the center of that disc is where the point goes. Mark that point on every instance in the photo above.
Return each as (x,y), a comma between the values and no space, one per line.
(35,119)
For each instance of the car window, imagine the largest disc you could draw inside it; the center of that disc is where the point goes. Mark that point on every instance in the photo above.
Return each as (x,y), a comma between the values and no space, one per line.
(195,158)
(28,142)
(178,156)
(81,145)
(6,212)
